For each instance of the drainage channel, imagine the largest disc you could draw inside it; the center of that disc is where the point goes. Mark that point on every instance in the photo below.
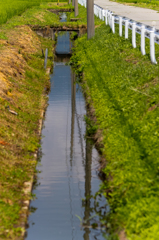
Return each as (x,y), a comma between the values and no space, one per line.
(67,167)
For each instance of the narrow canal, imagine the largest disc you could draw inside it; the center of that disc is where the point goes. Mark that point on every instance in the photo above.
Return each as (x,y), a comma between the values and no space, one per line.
(68,163)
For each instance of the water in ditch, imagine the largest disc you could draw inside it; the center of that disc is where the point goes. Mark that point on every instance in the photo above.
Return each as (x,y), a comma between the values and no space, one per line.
(68,164)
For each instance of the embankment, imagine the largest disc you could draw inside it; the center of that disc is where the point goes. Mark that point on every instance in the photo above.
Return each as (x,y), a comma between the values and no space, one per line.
(122,87)
(23,87)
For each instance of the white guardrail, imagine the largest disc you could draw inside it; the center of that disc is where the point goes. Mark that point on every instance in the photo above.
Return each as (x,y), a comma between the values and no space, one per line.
(146,31)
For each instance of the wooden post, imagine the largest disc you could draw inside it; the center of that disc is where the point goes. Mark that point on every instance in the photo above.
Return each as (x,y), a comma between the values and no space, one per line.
(76,7)
(52,34)
(90,19)
(45,61)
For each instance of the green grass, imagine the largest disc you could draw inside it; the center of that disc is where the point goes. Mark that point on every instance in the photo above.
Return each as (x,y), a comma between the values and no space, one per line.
(33,16)
(141,3)
(12,8)
(123,86)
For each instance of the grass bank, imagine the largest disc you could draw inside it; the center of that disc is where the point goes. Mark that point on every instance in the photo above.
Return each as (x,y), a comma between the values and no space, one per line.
(140,3)
(22,87)
(123,86)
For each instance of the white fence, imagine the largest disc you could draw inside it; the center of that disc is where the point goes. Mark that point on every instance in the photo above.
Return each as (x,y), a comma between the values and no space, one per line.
(136,27)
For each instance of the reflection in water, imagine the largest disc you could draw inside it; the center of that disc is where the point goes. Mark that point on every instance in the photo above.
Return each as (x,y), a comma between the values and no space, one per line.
(78,117)
(68,166)
(88,174)
(73,100)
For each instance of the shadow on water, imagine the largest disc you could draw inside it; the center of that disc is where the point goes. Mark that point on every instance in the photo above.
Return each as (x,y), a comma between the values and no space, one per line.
(67,178)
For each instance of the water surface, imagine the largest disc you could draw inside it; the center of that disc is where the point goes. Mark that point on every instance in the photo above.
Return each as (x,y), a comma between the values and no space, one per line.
(68,165)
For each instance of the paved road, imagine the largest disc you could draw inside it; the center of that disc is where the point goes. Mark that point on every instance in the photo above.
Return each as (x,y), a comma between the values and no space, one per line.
(146,16)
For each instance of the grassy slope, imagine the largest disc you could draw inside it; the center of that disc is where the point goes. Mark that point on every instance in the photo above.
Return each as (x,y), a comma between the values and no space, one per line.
(124,86)
(138,3)
(25,78)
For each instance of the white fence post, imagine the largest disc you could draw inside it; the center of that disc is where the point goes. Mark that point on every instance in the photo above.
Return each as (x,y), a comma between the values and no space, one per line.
(126,28)
(120,26)
(103,14)
(134,34)
(106,17)
(152,47)
(113,24)
(143,40)
(110,20)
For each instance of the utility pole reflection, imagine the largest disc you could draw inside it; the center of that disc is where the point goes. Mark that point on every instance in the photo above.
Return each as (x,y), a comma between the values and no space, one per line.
(87,211)
(73,102)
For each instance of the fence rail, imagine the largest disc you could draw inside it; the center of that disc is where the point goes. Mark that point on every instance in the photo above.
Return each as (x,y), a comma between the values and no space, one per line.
(144,30)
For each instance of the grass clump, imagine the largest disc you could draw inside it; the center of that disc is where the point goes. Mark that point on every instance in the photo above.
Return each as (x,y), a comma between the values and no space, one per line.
(123,86)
